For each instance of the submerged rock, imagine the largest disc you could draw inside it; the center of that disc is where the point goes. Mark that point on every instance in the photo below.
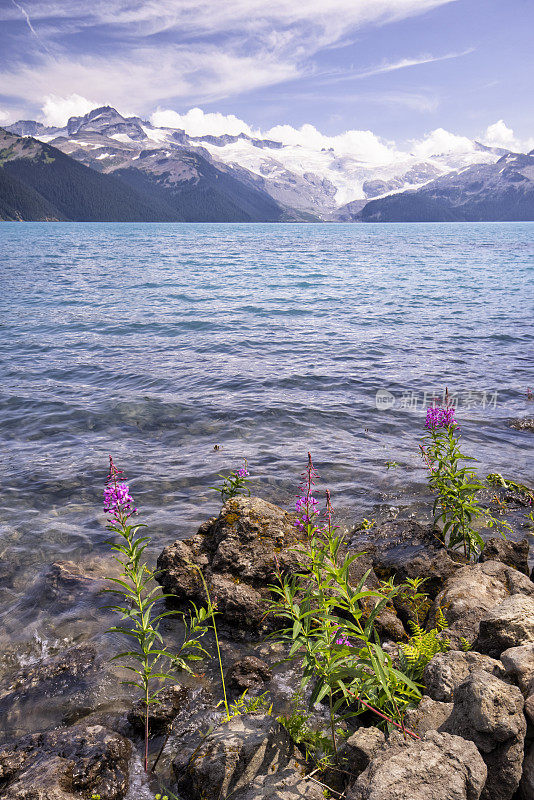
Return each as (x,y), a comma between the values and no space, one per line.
(247,758)
(522,424)
(60,688)
(248,674)
(171,700)
(437,767)
(66,764)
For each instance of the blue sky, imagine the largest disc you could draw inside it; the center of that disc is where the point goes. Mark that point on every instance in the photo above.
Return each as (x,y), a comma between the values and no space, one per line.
(400,68)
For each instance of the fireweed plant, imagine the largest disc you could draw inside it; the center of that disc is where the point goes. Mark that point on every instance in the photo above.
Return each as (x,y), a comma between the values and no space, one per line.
(148,659)
(456,507)
(330,624)
(234,484)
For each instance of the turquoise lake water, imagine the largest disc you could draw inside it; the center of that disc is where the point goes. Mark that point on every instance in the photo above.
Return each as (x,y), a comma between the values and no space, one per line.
(158,342)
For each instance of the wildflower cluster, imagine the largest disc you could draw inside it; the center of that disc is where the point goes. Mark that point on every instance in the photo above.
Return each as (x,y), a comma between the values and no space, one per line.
(307,508)
(146,654)
(439,417)
(234,484)
(343,641)
(456,508)
(326,616)
(118,501)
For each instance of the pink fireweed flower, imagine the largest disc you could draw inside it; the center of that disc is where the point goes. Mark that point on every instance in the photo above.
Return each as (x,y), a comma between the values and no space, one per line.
(118,501)
(342,640)
(243,472)
(439,417)
(306,504)
(307,508)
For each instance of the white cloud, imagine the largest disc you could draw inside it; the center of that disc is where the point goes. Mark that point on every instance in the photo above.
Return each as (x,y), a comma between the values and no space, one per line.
(198,123)
(146,76)
(364,145)
(393,66)
(4,116)
(225,48)
(56,110)
(207,16)
(440,142)
(500,135)
(416,101)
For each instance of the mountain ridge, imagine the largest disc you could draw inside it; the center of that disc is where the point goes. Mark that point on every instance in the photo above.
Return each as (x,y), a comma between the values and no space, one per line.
(50,184)
(238,177)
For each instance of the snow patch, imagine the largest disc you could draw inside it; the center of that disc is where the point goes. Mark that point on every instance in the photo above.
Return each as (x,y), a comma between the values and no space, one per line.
(122,137)
(156,134)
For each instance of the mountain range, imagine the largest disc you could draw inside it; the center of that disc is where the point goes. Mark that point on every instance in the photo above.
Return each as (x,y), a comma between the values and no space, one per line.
(107,167)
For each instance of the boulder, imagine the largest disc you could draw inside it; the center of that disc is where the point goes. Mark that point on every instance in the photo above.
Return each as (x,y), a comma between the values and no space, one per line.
(361,747)
(437,767)
(529,708)
(171,700)
(66,764)
(519,665)
(489,713)
(509,624)
(446,671)
(429,715)
(526,787)
(514,554)
(388,626)
(247,758)
(474,590)
(248,674)
(237,553)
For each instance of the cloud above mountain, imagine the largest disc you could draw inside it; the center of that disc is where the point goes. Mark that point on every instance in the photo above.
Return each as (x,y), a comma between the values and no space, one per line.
(500,135)
(394,67)
(181,48)
(363,144)
(57,110)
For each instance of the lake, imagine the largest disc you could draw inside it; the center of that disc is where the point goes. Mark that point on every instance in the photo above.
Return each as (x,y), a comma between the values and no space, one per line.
(183,348)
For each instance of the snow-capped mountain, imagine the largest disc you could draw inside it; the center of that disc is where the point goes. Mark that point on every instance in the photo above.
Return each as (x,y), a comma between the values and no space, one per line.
(316,182)
(503,191)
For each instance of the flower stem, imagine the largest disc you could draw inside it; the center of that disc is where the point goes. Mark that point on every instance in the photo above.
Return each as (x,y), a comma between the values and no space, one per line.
(332,727)
(211,611)
(146,727)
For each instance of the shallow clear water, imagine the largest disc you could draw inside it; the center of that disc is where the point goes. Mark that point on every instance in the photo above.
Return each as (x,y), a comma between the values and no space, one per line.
(158,342)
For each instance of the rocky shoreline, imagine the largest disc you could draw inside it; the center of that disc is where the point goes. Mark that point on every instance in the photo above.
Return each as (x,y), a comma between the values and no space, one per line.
(475,723)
